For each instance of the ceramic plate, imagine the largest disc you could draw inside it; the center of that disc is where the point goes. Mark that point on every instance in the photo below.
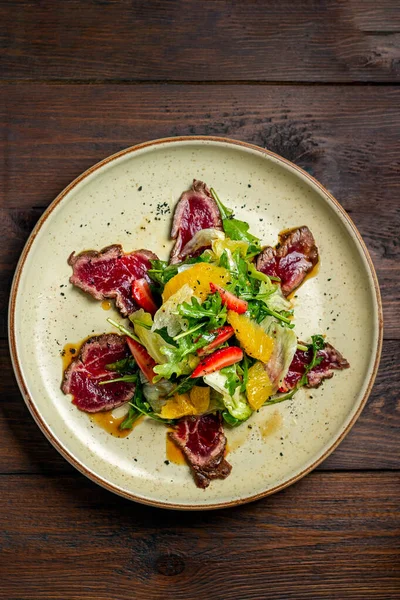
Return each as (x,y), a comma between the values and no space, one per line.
(128,199)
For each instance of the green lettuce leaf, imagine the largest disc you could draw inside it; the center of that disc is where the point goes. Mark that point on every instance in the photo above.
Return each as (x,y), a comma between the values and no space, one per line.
(236,405)
(285,345)
(152,341)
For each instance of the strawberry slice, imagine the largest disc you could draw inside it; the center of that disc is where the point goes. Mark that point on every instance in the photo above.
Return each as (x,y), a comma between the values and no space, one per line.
(231,301)
(142,357)
(142,295)
(218,360)
(223,334)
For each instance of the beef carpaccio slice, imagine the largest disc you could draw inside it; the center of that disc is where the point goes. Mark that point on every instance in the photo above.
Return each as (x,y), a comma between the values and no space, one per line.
(82,377)
(203,443)
(110,274)
(331,360)
(292,258)
(195,210)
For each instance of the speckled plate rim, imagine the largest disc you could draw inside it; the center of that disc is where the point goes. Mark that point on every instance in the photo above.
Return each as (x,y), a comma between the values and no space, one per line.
(67,454)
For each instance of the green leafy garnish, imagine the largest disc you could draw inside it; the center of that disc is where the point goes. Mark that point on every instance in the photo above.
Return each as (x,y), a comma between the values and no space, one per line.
(232,378)
(124,330)
(124,366)
(126,378)
(133,413)
(239,230)
(317,343)
(225,212)
(230,420)
(211,311)
(185,385)
(161,272)
(140,405)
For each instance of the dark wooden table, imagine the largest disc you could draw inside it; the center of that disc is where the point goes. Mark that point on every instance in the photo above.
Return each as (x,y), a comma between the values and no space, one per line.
(314,81)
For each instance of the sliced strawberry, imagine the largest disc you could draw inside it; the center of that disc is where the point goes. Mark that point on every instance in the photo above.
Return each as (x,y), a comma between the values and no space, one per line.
(142,357)
(231,301)
(218,360)
(142,295)
(222,335)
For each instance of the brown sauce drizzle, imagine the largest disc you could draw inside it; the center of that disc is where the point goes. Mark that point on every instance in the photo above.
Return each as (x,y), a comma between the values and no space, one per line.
(174,454)
(272,425)
(106,305)
(106,421)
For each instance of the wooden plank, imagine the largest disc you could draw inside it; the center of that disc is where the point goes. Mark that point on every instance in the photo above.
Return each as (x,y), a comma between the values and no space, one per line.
(194,41)
(330,536)
(372,443)
(345,136)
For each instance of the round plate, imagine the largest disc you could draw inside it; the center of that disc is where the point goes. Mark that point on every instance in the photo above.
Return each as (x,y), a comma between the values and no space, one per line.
(128,199)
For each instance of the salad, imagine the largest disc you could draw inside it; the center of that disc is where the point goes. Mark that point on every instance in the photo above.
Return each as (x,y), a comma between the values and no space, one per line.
(209,336)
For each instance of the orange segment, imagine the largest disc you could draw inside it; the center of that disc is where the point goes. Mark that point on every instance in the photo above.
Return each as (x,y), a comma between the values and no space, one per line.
(253,339)
(200,398)
(194,403)
(259,387)
(177,407)
(198,278)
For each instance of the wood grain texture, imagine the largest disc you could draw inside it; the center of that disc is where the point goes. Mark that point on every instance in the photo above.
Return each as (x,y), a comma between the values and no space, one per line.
(347,137)
(346,40)
(332,536)
(372,444)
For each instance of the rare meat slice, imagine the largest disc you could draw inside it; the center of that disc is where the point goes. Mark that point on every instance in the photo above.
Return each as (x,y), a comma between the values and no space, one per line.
(196,210)
(292,258)
(203,442)
(110,273)
(83,376)
(331,360)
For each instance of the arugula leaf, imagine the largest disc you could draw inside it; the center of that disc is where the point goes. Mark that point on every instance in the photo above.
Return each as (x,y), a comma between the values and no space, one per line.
(211,309)
(163,332)
(243,370)
(126,378)
(185,385)
(232,379)
(133,413)
(124,366)
(317,343)
(224,211)
(161,272)
(141,406)
(239,230)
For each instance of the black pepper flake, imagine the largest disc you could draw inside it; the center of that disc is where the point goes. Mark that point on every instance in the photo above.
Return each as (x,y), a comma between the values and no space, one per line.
(140,188)
(108,224)
(249,427)
(135,459)
(249,185)
(72,350)
(330,279)
(62,294)
(166,462)
(281,453)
